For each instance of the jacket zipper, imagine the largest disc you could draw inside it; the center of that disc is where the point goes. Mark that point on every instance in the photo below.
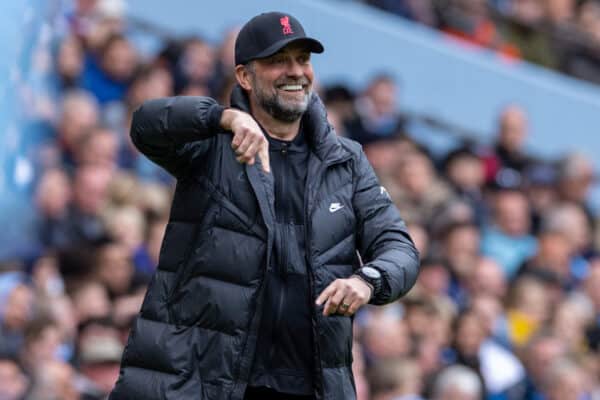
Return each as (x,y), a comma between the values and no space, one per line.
(283,257)
(282,297)
(240,375)
(311,278)
(284,202)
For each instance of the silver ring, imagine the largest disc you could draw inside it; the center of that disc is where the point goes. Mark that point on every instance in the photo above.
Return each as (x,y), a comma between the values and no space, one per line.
(345,305)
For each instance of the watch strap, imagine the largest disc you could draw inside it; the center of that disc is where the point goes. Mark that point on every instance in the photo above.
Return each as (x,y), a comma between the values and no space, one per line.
(375,284)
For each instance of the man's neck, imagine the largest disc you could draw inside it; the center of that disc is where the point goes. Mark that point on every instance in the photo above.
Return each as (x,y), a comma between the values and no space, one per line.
(275,128)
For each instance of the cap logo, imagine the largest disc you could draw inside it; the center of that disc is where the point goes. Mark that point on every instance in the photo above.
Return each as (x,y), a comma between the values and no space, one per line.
(285,24)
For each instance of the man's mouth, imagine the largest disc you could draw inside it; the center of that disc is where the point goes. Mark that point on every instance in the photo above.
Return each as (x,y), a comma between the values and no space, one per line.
(292,88)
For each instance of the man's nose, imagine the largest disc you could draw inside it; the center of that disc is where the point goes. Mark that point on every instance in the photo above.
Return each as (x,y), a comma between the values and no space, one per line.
(294,68)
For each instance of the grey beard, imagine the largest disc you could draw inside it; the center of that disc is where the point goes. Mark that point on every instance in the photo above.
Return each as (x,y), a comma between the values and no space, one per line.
(280,111)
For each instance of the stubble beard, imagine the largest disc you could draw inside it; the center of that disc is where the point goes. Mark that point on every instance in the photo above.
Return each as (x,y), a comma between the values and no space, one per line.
(277,107)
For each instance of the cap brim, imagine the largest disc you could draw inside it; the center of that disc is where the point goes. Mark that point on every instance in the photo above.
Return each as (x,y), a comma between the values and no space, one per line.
(312,44)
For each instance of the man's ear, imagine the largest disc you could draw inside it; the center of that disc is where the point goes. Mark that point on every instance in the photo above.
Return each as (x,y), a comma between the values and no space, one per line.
(242,75)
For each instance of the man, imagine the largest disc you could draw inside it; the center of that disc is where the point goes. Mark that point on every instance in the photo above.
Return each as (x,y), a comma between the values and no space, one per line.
(13,382)
(457,382)
(396,379)
(258,277)
(378,116)
(507,240)
(508,160)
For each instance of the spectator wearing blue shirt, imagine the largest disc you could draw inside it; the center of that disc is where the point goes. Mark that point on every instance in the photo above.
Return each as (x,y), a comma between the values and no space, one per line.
(107,75)
(507,240)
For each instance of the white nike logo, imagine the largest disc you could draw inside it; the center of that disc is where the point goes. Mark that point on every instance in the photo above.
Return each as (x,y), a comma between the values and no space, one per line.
(334,207)
(383,190)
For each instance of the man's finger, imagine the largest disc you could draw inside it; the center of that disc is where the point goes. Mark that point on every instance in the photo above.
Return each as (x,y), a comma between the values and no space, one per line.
(334,302)
(263,154)
(326,293)
(356,304)
(245,145)
(251,151)
(238,137)
(348,300)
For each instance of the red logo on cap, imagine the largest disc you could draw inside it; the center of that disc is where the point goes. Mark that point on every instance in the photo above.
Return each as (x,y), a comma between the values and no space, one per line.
(285,23)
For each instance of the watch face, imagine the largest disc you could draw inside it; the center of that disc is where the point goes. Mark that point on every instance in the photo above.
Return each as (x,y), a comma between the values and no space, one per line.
(371,272)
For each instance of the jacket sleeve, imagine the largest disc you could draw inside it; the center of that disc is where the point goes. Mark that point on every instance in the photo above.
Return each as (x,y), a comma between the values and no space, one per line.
(383,241)
(172,131)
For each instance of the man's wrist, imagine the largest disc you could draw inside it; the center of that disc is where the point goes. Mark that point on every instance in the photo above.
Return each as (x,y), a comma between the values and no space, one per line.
(226,118)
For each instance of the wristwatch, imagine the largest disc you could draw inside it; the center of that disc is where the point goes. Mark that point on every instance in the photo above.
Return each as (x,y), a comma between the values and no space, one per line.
(371,276)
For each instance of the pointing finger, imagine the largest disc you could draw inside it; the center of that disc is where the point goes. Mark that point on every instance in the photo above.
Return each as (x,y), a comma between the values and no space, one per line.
(263,155)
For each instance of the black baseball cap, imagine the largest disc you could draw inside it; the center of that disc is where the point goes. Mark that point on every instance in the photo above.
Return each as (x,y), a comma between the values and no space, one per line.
(267,33)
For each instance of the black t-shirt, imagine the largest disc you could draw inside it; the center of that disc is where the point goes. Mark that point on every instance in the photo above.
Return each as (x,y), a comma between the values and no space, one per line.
(284,353)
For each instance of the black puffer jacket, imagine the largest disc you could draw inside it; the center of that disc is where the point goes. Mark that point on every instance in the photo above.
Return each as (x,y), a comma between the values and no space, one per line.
(197,329)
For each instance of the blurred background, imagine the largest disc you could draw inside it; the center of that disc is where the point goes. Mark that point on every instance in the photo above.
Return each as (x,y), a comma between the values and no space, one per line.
(481,118)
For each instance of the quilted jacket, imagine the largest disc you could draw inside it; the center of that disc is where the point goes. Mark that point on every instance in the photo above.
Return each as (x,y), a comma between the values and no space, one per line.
(197,329)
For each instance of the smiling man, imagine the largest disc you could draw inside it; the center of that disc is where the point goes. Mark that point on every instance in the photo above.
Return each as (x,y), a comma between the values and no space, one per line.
(259,274)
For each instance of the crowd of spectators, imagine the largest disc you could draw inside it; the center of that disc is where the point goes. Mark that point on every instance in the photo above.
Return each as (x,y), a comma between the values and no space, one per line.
(558,34)
(507,304)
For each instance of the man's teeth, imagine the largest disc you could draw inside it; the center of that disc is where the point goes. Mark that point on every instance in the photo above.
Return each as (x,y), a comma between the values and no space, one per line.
(291,87)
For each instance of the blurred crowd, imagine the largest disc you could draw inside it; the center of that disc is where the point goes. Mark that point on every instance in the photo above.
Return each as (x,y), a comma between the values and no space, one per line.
(507,304)
(558,34)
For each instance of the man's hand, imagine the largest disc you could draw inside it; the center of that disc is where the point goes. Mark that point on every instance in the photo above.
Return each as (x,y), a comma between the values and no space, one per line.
(248,139)
(345,296)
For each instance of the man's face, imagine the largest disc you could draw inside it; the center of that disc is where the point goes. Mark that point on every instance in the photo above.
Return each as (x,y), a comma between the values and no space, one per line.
(513,129)
(542,354)
(512,213)
(383,97)
(488,278)
(282,84)
(91,188)
(13,383)
(470,333)
(19,306)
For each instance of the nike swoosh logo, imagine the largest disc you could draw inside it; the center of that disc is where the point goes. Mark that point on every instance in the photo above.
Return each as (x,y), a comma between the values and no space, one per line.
(384,191)
(334,207)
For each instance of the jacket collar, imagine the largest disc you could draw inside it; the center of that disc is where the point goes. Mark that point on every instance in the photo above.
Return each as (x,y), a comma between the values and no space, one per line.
(320,135)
